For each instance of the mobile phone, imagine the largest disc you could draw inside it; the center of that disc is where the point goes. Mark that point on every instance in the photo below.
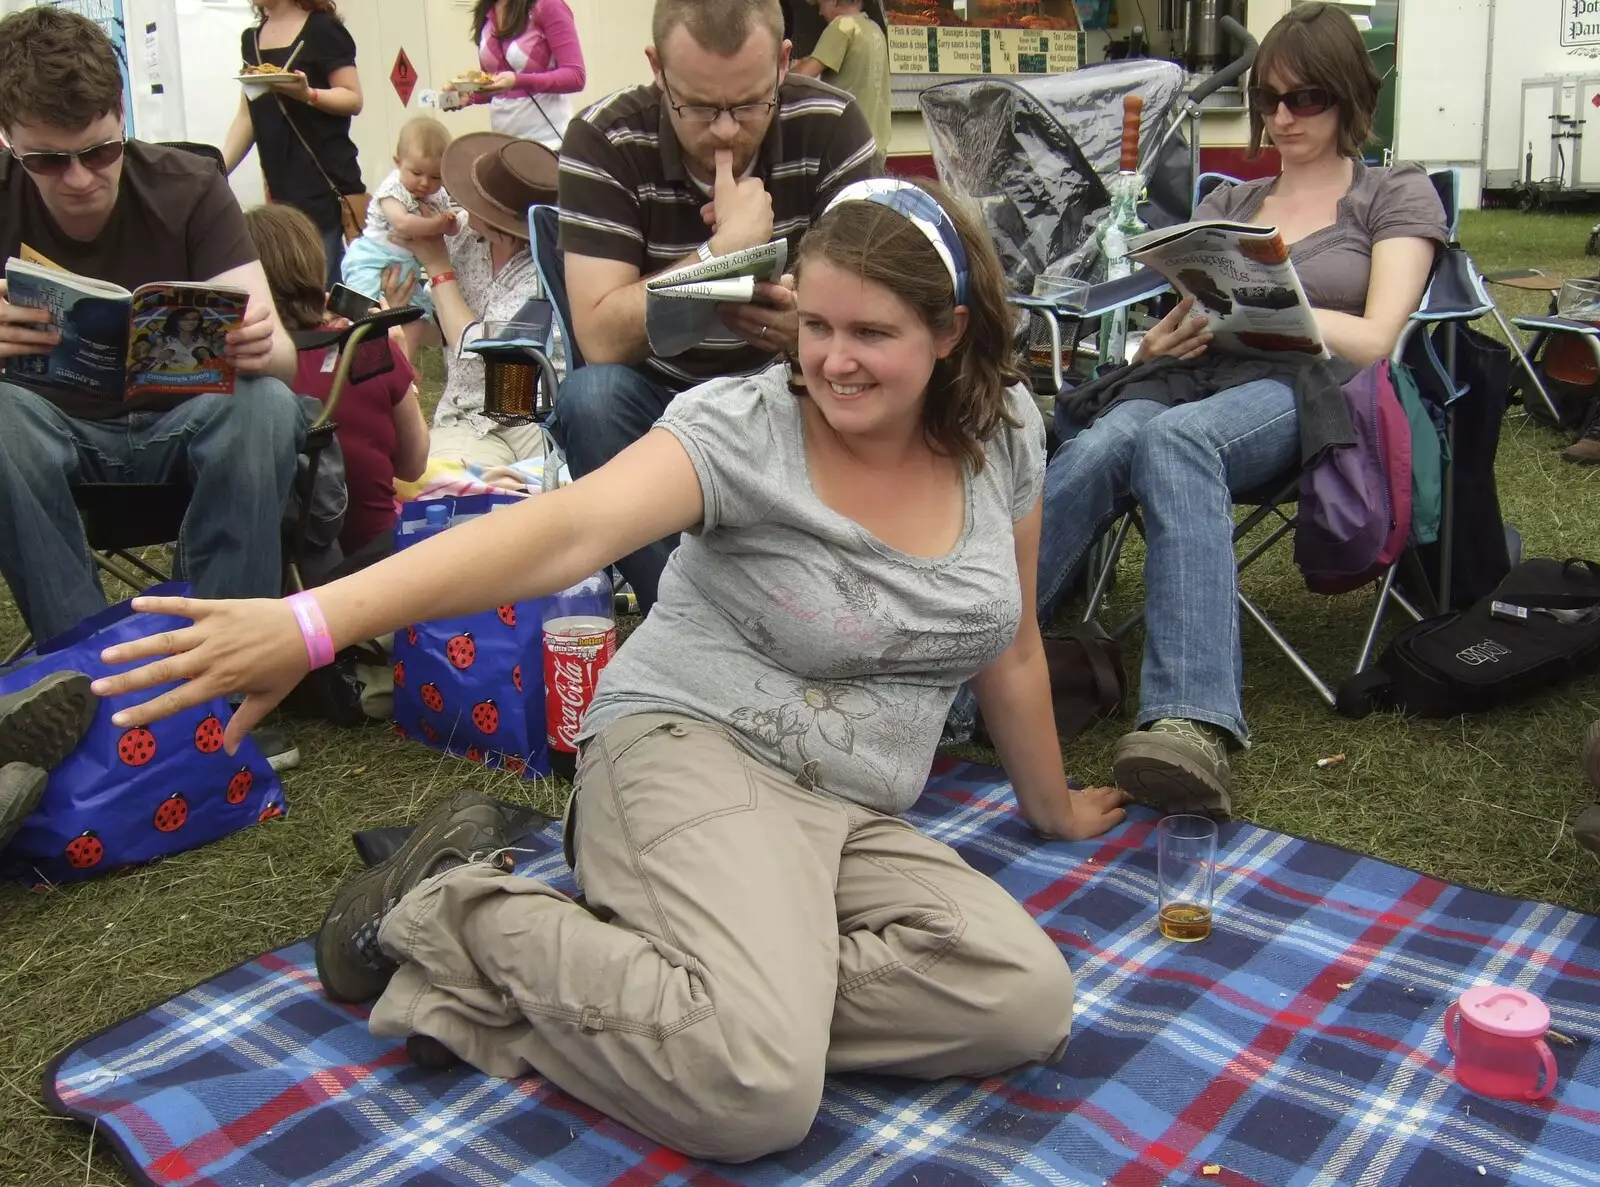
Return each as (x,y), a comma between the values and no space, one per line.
(346,302)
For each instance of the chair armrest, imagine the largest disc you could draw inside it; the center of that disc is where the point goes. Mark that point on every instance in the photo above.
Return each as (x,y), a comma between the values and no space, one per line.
(1455,293)
(1564,324)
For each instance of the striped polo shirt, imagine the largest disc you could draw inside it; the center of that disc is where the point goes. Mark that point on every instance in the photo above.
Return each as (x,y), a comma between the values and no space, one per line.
(626,194)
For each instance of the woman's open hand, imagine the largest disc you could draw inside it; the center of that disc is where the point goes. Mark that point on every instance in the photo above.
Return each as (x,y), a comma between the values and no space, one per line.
(1178,335)
(250,647)
(1084,813)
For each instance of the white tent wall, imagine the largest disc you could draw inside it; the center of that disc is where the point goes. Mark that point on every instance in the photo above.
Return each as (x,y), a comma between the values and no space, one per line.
(1463,65)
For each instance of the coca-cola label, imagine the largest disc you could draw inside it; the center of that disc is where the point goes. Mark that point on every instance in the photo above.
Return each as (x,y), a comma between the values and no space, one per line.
(575,650)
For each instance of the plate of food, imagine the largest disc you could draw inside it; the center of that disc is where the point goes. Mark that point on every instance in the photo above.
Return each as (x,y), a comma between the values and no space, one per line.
(265,72)
(471,82)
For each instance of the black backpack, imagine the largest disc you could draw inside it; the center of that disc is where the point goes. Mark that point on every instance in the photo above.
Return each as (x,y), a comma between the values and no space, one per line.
(1540,627)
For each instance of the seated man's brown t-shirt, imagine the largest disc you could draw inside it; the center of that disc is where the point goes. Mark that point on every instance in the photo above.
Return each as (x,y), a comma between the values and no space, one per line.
(175,220)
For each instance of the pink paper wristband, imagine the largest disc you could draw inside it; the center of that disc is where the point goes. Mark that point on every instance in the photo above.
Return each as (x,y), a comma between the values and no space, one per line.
(313,628)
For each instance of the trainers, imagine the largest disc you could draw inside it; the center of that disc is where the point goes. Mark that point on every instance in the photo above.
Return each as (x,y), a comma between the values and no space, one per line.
(41,724)
(1591,754)
(351,965)
(1177,766)
(1585,451)
(281,754)
(21,787)
(428,1052)
(1587,828)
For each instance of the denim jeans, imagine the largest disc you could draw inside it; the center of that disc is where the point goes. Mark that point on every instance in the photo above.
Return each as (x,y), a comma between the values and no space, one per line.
(237,453)
(1182,466)
(600,411)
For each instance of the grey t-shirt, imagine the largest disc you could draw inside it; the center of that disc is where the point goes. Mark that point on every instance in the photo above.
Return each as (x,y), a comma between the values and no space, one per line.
(1335,262)
(824,651)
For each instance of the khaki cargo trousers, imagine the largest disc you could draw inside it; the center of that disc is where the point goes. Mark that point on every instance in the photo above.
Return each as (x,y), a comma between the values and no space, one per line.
(744,937)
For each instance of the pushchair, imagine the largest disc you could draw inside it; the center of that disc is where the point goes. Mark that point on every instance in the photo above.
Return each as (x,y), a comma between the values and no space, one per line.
(1031,155)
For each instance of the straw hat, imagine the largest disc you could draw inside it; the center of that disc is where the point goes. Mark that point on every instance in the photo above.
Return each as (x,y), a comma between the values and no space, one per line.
(496,178)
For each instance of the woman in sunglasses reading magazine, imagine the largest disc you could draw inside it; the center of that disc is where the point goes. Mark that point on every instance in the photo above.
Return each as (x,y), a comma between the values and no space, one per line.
(1363,241)
(860,534)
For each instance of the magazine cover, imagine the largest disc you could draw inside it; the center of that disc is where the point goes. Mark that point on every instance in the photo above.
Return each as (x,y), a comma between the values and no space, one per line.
(179,337)
(162,338)
(1241,278)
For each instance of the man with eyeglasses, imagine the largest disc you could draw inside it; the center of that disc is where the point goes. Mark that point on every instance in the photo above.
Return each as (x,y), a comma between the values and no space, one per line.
(724,150)
(77,194)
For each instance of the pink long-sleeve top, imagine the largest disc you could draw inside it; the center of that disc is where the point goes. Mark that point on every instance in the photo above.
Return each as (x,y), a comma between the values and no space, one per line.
(546,58)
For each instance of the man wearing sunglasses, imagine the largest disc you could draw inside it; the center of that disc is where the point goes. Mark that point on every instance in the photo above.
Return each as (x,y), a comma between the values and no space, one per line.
(76,193)
(724,150)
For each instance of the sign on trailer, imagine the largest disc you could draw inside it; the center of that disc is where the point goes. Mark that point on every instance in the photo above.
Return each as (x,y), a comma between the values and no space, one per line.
(1580,22)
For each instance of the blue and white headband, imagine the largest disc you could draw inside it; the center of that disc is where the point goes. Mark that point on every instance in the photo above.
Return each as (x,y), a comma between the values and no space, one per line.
(924,212)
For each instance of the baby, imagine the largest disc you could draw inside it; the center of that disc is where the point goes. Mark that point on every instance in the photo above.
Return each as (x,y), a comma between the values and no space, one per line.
(411,203)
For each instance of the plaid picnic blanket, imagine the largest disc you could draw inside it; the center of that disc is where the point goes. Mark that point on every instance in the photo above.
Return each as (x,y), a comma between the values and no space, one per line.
(1300,1044)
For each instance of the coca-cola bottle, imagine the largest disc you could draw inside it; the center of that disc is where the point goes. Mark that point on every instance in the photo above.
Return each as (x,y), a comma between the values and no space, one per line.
(580,636)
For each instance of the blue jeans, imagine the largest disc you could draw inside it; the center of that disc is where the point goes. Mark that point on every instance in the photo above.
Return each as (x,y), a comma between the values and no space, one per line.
(1182,465)
(237,453)
(600,411)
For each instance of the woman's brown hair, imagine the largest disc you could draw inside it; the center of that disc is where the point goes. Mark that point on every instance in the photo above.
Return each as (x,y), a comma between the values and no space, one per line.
(966,400)
(326,6)
(518,14)
(1318,45)
(290,247)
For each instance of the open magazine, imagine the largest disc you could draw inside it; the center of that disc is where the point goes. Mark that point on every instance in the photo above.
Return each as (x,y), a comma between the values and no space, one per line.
(1241,278)
(121,345)
(679,303)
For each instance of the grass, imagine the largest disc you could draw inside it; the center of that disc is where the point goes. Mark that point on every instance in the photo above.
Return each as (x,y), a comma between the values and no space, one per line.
(1485,801)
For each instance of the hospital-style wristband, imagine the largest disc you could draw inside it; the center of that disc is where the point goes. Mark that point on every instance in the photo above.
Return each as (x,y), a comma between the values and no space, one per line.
(313,628)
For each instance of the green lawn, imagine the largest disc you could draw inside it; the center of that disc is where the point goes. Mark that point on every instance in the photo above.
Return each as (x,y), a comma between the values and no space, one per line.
(1485,801)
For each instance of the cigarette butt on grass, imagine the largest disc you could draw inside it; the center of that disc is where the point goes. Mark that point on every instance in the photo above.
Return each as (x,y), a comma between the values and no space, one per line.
(1333,761)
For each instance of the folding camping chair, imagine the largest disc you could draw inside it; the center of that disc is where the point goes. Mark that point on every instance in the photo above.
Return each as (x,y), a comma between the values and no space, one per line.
(121,518)
(544,228)
(1454,297)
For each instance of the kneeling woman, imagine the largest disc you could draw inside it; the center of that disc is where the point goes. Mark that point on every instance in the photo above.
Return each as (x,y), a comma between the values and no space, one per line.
(861,537)
(1362,240)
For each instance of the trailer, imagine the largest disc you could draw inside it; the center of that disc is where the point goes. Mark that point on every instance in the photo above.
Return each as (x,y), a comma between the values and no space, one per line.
(1506,91)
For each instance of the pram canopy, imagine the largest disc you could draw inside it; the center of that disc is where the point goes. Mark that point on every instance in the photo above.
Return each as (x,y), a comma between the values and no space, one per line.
(1032,152)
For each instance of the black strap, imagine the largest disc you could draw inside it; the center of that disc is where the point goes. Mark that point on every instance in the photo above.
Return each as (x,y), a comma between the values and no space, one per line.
(1093,641)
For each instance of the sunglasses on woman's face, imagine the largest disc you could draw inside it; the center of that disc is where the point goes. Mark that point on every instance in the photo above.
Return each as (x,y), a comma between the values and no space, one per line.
(53,164)
(1301,102)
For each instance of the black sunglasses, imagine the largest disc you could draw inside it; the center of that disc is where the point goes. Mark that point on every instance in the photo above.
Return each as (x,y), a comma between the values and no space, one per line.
(53,164)
(1301,102)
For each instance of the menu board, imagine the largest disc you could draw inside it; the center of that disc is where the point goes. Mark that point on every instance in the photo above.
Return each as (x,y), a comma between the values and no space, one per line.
(932,49)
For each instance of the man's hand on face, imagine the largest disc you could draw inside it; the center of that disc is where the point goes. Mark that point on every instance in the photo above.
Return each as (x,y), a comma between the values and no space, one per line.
(24,331)
(741,209)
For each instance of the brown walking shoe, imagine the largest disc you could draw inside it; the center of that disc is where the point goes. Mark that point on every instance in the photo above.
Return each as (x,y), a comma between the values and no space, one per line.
(1177,766)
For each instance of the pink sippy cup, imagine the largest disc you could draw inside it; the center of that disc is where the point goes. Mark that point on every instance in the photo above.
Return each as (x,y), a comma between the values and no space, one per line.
(1497,1035)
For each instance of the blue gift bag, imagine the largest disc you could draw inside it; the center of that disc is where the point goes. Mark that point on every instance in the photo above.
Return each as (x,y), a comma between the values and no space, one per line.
(130,795)
(472,686)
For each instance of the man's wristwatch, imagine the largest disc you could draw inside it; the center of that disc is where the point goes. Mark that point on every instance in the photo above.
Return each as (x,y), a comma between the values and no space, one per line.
(705,254)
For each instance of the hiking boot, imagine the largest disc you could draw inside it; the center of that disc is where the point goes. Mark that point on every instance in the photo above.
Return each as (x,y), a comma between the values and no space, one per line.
(1586,829)
(41,724)
(1177,766)
(428,1052)
(350,964)
(21,787)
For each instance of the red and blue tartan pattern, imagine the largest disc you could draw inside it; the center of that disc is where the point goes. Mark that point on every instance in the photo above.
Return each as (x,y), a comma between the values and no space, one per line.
(1299,1045)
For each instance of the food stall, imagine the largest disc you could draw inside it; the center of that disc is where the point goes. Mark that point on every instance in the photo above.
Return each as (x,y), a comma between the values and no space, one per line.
(932,41)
